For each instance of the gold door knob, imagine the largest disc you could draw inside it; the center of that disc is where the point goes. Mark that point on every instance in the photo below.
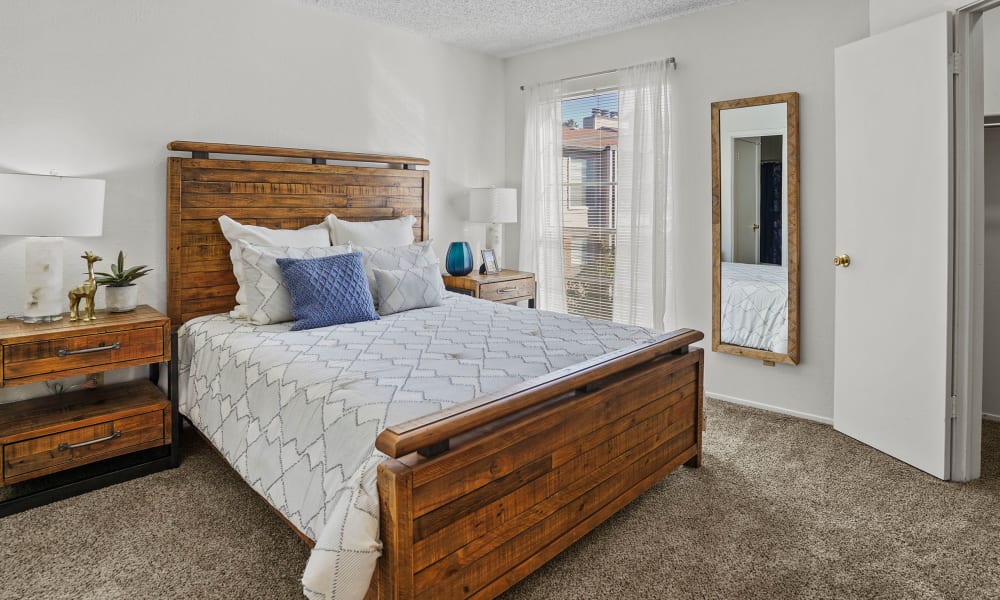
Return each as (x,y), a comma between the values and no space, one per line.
(755,227)
(842,261)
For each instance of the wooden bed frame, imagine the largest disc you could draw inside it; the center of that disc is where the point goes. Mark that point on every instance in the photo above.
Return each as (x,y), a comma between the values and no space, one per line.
(475,497)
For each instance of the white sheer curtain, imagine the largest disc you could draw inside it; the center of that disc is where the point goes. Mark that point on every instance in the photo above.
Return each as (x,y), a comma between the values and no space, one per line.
(644,288)
(541,194)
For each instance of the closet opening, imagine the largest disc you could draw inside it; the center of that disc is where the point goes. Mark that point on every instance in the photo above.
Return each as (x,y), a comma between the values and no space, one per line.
(991,244)
(991,304)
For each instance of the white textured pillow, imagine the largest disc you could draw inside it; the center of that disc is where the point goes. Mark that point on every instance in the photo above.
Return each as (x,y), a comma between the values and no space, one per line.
(267,297)
(400,290)
(388,233)
(414,256)
(308,237)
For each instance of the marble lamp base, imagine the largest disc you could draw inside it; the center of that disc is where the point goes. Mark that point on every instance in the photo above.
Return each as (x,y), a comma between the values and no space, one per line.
(43,279)
(494,240)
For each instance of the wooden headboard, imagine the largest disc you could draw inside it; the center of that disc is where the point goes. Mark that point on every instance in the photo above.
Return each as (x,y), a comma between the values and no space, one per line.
(277,195)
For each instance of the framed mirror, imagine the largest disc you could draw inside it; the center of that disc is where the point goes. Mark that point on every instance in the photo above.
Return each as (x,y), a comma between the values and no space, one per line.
(755,227)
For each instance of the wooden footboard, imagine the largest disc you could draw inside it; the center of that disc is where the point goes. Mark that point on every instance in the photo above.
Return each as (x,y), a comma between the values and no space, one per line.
(476,498)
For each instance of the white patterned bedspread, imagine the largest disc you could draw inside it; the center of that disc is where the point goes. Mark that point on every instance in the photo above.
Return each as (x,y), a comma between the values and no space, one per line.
(297,413)
(755,306)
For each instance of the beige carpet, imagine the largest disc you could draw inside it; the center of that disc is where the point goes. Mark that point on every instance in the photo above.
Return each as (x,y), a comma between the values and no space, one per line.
(782,508)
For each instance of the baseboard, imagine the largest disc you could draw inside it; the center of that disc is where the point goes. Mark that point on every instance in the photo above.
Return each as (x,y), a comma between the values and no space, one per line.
(794,413)
(771,408)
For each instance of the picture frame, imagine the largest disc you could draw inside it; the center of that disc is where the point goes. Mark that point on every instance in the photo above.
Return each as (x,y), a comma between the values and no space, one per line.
(490,264)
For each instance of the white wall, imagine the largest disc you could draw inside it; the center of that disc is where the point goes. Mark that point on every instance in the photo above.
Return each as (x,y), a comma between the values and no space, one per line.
(793,42)
(98,88)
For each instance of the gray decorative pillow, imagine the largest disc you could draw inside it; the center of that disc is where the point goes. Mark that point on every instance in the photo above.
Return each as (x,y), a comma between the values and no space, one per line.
(414,256)
(307,237)
(408,289)
(267,298)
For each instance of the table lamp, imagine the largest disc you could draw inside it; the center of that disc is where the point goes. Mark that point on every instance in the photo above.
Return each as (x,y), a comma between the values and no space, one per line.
(494,206)
(48,208)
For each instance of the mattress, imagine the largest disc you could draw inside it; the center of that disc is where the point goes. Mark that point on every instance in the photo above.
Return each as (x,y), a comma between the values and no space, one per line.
(297,413)
(755,306)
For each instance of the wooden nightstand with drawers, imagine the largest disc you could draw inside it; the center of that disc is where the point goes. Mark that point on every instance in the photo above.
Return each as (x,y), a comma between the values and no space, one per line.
(47,439)
(507,286)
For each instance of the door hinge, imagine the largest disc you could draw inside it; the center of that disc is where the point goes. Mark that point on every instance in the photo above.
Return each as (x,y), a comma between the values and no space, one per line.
(953,407)
(956,63)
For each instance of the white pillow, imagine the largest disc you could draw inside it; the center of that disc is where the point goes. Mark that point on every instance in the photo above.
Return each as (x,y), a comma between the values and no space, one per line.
(415,256)
(267,297)
(400,290)
(308,237)
(389,233)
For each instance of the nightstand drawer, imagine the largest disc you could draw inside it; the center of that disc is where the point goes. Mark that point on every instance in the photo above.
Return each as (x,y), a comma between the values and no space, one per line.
(67,449)
(70,353)
(507,290)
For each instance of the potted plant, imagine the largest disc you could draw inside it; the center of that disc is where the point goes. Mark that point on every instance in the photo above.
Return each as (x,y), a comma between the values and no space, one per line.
(120,291)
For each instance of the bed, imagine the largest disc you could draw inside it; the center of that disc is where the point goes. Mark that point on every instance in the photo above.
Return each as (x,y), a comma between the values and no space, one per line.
(508,434)
(755,306)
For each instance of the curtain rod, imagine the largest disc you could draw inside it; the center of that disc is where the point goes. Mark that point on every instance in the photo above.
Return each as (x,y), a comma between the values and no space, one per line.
(670,61)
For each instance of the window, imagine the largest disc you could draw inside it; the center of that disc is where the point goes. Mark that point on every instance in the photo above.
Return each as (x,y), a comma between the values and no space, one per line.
(589,192)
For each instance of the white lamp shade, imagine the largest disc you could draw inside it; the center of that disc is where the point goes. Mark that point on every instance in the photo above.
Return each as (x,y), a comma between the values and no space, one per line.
(493,205)
(42,206)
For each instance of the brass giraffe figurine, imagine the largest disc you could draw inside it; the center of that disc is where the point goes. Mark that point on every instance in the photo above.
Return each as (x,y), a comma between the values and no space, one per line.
(84,291)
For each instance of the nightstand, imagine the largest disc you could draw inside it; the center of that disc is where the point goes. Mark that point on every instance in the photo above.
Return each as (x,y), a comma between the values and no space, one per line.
(66,444)
(507,286)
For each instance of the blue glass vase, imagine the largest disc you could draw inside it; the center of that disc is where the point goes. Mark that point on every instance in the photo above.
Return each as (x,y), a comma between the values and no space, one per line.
(459,259)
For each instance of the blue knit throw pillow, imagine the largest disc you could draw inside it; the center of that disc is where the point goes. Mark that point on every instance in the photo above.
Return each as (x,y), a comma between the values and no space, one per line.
(330,290)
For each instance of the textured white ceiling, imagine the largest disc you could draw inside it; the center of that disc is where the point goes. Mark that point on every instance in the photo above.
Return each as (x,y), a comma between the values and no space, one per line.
(507,27)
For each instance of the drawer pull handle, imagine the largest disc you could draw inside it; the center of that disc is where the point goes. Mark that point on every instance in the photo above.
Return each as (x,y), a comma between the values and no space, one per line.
(62,352)
(507,290)
(116,434)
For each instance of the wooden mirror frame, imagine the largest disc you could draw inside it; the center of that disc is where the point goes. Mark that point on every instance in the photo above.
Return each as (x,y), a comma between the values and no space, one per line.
(791,99)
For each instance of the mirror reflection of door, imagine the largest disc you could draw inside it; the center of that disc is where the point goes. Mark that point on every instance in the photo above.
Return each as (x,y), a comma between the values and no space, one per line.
(757,200)
(746,200)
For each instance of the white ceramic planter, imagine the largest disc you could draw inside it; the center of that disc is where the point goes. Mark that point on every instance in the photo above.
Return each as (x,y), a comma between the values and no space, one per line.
(121,299)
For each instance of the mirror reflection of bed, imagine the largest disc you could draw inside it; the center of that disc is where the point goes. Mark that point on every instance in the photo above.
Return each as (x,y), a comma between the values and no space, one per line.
(754,275)
(753,231)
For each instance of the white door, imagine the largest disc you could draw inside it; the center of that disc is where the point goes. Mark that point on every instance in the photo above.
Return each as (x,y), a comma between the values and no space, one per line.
(746,200)
(894,198)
